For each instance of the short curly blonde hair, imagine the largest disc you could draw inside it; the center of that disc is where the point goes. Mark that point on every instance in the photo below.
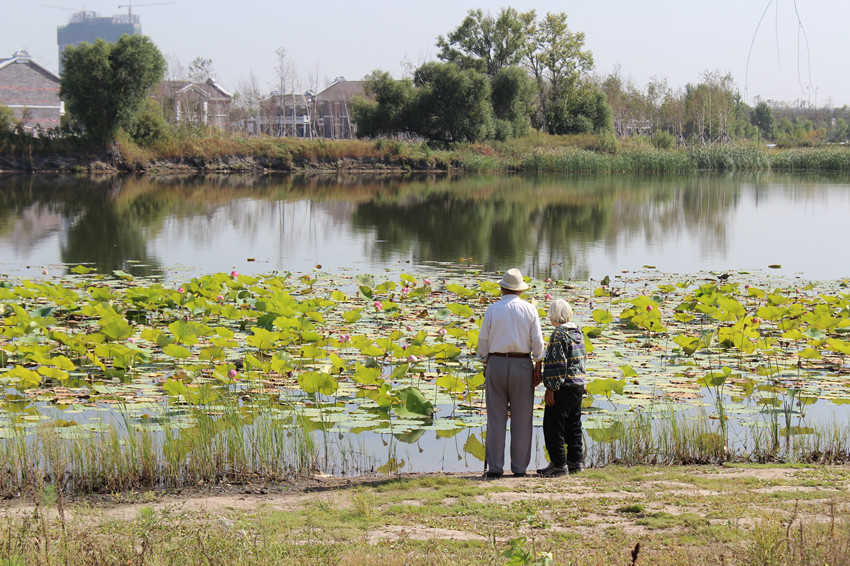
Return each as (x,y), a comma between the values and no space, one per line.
(560,312)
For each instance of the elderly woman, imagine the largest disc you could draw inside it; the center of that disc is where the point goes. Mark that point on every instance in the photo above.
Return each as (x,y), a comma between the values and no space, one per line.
(565,384)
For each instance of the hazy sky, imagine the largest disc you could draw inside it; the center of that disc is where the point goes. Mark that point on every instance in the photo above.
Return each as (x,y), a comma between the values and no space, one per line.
(676,40)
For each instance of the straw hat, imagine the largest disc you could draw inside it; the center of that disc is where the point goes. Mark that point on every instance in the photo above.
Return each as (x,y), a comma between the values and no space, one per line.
(512,281)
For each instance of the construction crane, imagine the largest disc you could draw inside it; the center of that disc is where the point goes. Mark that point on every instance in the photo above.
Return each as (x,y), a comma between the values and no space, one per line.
(130,6)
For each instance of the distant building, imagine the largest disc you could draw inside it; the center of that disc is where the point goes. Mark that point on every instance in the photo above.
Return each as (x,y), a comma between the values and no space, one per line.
(332,114)
(286,115)
(31,91)
(88,26)
(206,103)
(308,115)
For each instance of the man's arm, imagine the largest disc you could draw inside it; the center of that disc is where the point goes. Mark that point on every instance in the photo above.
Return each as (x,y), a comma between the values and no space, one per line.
(484,339)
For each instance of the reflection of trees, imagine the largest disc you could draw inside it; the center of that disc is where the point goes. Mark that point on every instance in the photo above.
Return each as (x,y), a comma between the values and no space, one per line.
(550,225)
(101,228)
(547,224)
(108,238)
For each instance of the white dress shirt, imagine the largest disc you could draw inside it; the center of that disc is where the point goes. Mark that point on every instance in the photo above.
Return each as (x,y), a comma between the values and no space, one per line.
(510,325)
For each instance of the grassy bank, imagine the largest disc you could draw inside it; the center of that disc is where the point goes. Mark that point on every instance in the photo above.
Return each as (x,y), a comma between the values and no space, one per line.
(753,516)
(538,153)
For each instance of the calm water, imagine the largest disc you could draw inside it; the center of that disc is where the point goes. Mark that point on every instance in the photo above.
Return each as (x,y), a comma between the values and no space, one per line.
(558,226)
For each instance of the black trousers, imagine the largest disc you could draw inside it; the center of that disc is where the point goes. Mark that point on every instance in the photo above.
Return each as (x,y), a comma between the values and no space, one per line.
(562,426)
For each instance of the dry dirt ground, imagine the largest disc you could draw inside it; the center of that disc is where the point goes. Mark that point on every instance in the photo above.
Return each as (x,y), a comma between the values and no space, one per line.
(686,489)
(712,510)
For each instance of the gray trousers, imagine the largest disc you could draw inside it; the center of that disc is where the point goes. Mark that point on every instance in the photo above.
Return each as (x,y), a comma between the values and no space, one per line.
(507,383)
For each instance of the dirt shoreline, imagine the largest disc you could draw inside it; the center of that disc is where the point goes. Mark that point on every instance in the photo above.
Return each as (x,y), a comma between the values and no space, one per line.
(113,161)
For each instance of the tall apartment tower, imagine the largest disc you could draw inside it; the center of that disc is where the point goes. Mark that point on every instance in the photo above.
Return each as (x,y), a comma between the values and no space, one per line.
(88,26)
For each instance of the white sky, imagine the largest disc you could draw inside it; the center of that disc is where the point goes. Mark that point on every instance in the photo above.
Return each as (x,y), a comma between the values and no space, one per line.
(676,40)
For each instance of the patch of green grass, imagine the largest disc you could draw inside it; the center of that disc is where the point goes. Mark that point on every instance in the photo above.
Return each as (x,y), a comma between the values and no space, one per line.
(664,520)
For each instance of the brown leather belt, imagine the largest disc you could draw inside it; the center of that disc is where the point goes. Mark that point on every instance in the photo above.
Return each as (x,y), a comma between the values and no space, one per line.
(511,354)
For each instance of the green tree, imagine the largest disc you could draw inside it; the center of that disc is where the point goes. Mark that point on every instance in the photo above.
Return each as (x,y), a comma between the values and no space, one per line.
(105,85)
(7,119)
(452,104)
(200,70)
(556,58)
(387,108)
(582,110)
(487,44)
(443,103)
(762,117)
(512,97)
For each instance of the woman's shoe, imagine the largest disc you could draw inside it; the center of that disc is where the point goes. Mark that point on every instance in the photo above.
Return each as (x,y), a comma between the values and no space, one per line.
(546,469)
(552,471)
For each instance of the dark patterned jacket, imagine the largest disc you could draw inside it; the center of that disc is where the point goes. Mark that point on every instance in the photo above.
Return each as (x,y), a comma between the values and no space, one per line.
(572,341)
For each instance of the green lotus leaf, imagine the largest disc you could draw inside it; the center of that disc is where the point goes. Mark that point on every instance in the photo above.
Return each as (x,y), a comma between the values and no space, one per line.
(175,351)
(451,383)
(82,270)
(317,382)
(460,310)
(603,386)
(184,331)
(809,353)
(53,373)
(262,339)
(413,403)
(602,316)
(115,328)
(628,371)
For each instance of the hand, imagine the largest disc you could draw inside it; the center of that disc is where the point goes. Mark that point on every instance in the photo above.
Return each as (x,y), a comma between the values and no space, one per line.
(549,398)
(536,377)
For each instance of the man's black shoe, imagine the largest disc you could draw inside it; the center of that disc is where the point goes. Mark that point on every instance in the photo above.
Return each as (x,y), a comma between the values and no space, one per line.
(519,474)
(488,475)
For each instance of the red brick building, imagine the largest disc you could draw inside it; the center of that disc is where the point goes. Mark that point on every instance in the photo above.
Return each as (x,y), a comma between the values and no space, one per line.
(31,91)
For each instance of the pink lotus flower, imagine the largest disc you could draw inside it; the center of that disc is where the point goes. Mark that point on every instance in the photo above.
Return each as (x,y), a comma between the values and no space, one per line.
(548,297)
(379,306)
(234,274)
(409,328)
(181,290)
(426,282)
(345,337)
(411,359)
(405,290)
(219,298)
(648,307)
(131,340)
(442,332)
(44,272)
(755,320)
(232,374)
(548,280)
(747,286)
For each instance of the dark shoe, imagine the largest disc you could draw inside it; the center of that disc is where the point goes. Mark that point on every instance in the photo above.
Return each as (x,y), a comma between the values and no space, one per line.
(520,474)
(541,471)
(574,470)
(488,475)
(553,471)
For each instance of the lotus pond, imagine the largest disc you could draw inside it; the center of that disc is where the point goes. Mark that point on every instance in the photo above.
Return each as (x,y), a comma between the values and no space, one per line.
(120,380)
(340,336)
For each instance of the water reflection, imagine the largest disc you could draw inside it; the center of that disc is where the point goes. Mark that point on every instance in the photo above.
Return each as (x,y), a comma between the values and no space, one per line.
(559,226)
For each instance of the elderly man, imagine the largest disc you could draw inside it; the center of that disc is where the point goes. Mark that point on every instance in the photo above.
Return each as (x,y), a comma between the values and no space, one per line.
(511,347)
